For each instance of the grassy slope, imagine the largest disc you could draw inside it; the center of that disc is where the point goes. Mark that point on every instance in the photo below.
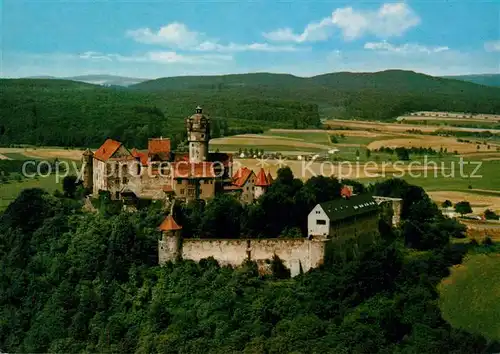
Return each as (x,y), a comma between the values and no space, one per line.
(469,296)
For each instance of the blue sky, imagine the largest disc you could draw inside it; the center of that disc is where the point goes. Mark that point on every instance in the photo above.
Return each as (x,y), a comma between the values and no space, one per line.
(167,38)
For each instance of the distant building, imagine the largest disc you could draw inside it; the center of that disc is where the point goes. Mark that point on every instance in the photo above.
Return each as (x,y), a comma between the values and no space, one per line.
(347,216)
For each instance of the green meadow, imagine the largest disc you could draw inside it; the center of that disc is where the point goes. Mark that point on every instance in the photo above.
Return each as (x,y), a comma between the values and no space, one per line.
(11,189)
(310,137)
(469,297)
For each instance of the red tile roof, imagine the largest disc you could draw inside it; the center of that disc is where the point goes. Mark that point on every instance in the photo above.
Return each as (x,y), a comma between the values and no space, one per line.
(232,188)
(158,146)
(181,156)
(261,180)
(169,224)
(107,149)
(270,177)
(183,169)
(167,188)
(241,176)
(143,157)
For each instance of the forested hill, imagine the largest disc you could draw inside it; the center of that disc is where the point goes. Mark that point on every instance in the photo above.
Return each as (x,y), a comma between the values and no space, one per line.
(388,80)
(69,113)
(380,95)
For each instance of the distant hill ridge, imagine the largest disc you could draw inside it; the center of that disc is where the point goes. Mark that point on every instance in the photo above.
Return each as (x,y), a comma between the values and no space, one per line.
(264,79)
(72,113)
(383,80)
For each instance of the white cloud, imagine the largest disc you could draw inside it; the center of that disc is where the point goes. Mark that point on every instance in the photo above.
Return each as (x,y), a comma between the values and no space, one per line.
(174,34)
(162,57)
(209,46)
(388,21)
(315,31)
(173,57)
(408,48)
(177,35)
(492,46)
(95,56)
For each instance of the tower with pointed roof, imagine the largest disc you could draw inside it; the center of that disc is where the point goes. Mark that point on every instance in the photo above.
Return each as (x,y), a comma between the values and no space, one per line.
(87,169)
(261,183)
(169,246)
(198,133)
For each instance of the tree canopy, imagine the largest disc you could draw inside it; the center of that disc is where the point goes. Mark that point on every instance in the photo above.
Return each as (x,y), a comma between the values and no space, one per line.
(74,281)
(79,282)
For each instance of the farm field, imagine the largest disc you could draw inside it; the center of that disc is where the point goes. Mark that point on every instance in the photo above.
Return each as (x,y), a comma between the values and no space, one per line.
(478,200)
(353,138)
(256,141)
(395,127)
(435,142)
(43,153)
(9,191)
(469,296)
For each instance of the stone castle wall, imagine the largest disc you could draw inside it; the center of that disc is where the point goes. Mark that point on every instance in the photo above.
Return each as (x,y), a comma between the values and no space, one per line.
(299,255)
(395,204)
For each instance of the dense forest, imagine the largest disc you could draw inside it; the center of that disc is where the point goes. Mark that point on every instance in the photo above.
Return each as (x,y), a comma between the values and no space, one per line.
(382,95)
(69,113)
(74,281)
(66,113)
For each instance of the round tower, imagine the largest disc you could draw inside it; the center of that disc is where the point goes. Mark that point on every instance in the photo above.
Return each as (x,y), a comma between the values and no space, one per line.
(170,244)
(198,132)
(87,170)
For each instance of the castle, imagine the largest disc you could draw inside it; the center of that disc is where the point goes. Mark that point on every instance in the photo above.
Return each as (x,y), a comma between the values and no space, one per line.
(164,175)
(161,174)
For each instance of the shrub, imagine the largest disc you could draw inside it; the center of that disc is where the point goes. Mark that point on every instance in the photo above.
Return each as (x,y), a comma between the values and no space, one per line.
(487,241)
